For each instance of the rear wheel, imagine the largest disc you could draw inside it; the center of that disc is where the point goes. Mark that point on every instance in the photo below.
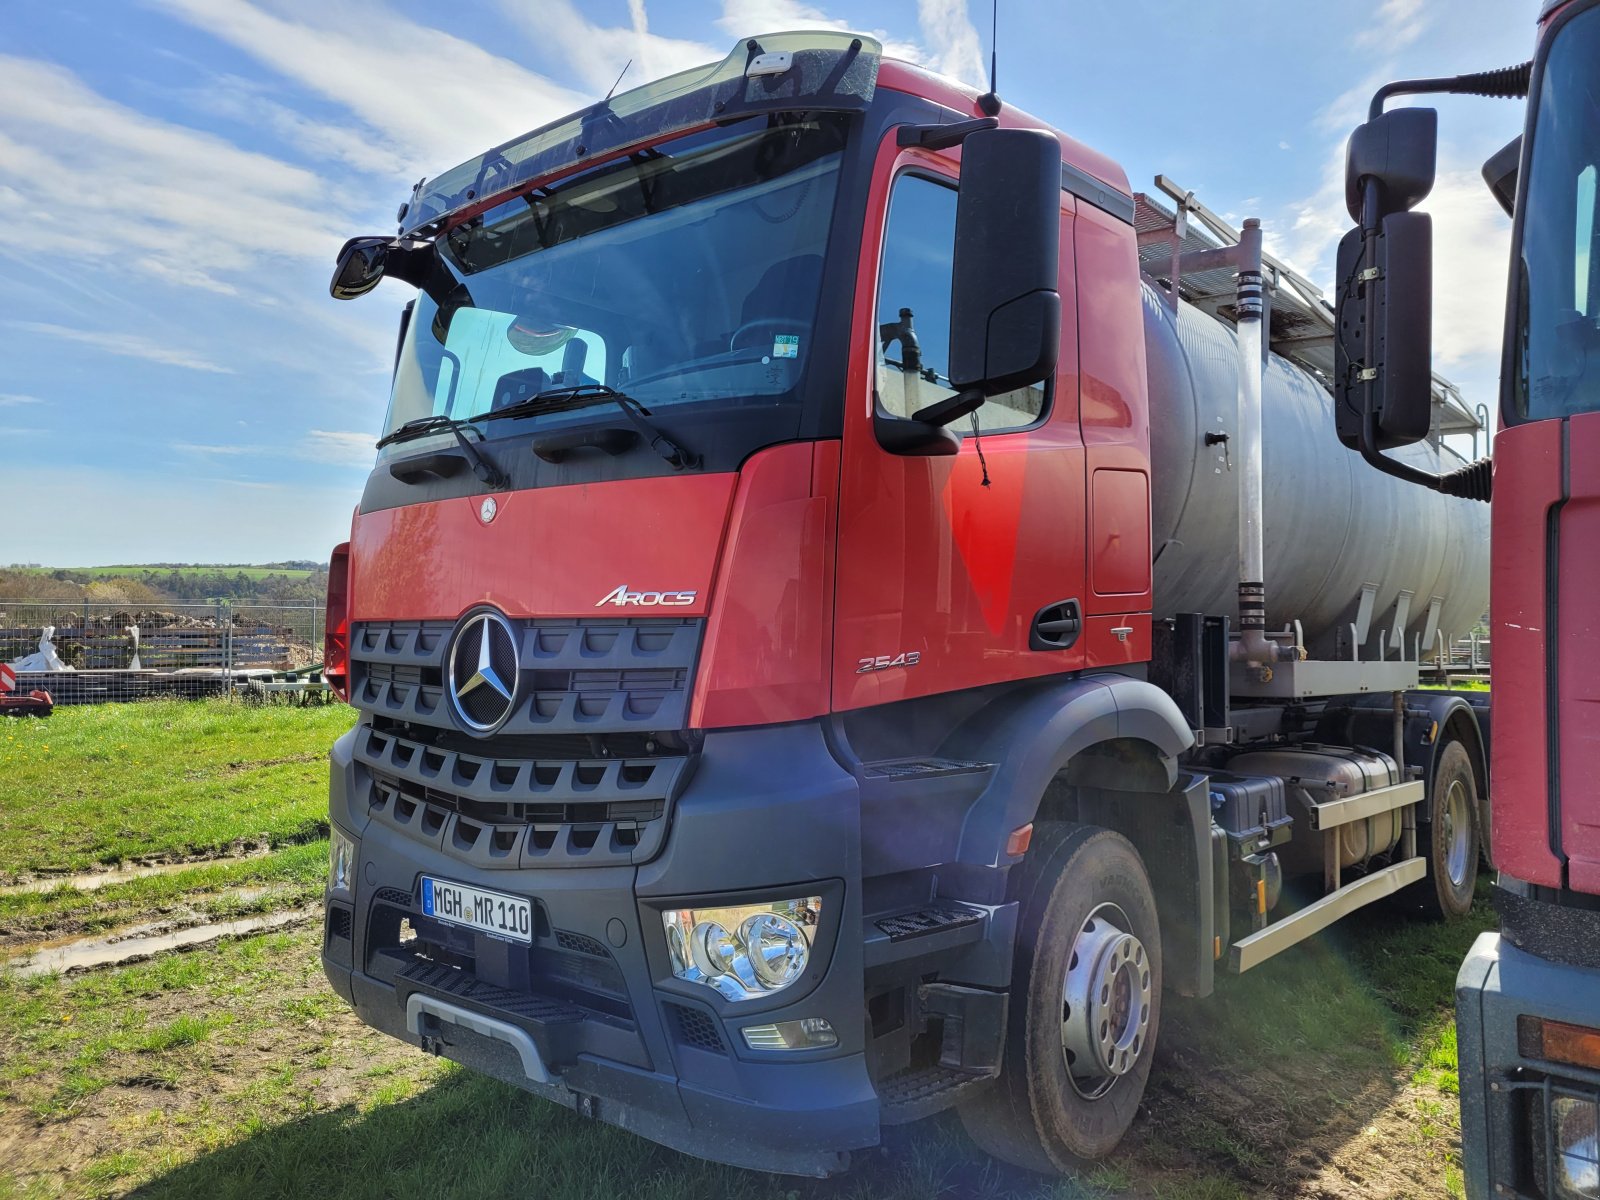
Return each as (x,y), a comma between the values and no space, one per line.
(1085,1003)
(1452,847)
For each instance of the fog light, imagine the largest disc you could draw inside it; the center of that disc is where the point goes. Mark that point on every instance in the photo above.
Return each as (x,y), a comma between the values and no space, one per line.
(812,1033)
(744,951)
(341,863)
(1577,1173)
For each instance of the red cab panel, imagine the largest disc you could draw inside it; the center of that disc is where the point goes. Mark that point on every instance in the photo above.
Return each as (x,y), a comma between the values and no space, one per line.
(766,653)
(548,552)
(1578,631)
(1527,488)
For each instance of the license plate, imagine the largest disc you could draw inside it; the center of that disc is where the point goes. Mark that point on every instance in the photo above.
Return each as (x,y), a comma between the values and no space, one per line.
(494,913)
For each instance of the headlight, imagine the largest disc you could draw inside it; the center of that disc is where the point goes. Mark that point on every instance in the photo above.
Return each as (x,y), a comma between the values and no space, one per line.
(341,863)
(746,951)
(1577,1173)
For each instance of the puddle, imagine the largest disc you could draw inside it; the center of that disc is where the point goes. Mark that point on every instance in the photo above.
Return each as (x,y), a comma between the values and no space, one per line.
(142,941)
(93,881)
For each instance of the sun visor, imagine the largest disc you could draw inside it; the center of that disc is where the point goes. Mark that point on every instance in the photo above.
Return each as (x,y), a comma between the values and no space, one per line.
(813,71)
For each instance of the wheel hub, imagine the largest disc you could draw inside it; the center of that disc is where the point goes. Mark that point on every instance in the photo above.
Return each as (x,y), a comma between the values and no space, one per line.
(1457,821)
(1105,1012)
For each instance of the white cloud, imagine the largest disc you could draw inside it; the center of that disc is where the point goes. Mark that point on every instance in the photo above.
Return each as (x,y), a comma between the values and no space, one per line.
(952,41)
(17,431)
(126,345)
(11,399)
(433,98)
(598,53)
(1396,24)
(113,189)
(340,448)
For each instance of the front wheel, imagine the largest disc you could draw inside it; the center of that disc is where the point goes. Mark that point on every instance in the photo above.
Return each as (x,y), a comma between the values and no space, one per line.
(1085,1003)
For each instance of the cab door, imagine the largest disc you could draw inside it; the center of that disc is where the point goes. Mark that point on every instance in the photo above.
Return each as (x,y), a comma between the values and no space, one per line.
(963,570)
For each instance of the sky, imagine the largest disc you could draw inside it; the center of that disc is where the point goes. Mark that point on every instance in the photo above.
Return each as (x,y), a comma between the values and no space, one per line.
(176,177)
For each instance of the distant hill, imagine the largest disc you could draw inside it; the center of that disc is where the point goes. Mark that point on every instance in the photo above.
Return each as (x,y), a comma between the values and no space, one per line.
(292,582)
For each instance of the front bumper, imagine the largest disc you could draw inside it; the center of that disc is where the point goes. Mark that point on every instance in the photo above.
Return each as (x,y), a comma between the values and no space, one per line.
(612,1034)
(1506,1089)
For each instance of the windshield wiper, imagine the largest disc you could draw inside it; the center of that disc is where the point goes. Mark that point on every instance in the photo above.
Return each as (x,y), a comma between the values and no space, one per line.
(486,471)
(583,395)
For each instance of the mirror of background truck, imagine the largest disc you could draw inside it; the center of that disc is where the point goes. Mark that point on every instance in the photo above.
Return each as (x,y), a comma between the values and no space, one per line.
(1398,150)
(1383,355)
(1394,354)
(1005,306)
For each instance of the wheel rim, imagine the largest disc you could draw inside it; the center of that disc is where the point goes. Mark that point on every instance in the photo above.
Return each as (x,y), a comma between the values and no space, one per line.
(1457,821)
(1105,1008)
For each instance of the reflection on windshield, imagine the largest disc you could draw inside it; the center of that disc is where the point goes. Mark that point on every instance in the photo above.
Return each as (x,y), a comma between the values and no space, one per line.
(684,274)
(1559,294)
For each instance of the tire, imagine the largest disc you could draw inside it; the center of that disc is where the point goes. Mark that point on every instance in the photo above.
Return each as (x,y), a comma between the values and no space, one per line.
(1452,836)
(1080,889)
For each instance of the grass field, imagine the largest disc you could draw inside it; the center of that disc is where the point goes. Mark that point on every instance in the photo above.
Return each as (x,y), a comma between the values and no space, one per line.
(233,1071)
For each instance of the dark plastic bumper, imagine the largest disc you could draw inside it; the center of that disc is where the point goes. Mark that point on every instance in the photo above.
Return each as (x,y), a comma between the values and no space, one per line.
(619,1038)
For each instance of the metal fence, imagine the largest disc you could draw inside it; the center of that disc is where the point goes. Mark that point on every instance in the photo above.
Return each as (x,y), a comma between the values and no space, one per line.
(121,651)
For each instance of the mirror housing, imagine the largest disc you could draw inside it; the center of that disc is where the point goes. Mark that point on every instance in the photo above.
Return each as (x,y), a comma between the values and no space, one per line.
(364,261)
(1399,150)
(1005,303)
(1386,368)
(1500,173)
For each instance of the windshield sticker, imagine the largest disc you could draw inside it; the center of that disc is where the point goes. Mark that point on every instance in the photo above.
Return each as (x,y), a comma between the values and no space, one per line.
(786,345)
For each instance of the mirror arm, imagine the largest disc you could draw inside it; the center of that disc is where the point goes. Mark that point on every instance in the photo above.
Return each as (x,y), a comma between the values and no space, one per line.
(1504,83)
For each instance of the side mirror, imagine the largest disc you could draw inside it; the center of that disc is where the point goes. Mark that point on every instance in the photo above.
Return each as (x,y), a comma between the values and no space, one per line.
(363,261)
(1397,150)
(1385,366)
(1500,173)
(359,267)
(1005,306)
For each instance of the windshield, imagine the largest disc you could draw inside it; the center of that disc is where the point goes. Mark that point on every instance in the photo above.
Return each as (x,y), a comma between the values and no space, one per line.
(687,274)
(1558,318)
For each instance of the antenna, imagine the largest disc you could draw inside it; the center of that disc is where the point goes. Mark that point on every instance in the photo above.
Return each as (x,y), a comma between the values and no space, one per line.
(623,72)
(989,102)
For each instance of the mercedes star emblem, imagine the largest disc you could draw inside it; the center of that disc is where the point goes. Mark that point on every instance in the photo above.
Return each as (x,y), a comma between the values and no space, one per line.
(483,671)
(487,509)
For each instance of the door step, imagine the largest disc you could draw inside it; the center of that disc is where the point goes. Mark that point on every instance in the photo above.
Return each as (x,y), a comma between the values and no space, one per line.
(922,1091)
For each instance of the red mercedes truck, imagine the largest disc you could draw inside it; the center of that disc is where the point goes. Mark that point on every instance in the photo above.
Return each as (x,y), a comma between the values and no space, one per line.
(855,608)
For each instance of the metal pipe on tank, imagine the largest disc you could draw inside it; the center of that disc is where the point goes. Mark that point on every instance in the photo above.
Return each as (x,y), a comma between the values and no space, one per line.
(1253,646)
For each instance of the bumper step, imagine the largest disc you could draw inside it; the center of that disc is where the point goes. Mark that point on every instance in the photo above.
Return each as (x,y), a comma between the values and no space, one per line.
(527,1006)
(922,1091)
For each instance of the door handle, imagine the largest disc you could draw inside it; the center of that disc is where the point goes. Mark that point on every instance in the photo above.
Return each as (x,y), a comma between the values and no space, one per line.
(1056,626)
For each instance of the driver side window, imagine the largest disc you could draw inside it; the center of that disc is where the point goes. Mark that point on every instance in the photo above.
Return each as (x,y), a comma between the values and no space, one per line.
(913,329)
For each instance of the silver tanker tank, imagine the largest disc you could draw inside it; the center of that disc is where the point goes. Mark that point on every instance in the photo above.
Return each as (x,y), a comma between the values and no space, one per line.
(1333,525)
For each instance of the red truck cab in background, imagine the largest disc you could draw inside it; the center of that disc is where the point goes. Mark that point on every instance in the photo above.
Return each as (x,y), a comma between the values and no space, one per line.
(1528,997)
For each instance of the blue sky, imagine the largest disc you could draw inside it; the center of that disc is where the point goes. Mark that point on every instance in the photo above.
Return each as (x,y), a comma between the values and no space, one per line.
(176,175)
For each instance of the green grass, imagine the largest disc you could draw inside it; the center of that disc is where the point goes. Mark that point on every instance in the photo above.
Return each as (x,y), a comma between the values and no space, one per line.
(234,1071)
(102,784)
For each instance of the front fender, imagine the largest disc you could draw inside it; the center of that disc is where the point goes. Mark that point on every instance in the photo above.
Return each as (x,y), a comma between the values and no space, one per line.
(1034,731)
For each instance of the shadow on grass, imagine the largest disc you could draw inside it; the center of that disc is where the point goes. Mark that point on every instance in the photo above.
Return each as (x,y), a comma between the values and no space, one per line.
(467,1136)
(1256,1090)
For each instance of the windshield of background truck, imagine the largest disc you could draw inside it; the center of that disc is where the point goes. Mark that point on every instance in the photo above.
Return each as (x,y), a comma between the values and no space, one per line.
(683,274)
(1558,316)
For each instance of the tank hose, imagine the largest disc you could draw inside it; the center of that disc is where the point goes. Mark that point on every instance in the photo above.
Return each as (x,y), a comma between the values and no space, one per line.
(1475,481)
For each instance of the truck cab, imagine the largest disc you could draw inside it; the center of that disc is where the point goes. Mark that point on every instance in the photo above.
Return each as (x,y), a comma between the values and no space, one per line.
(765,730)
